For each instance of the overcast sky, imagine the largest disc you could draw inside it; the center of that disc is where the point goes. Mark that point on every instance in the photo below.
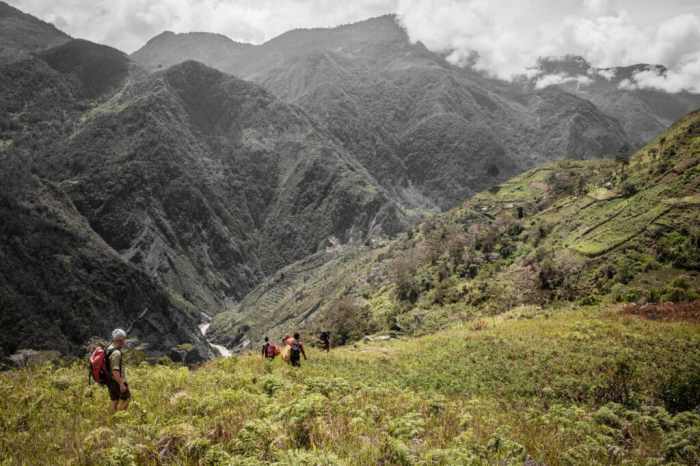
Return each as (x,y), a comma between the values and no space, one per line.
(507,35)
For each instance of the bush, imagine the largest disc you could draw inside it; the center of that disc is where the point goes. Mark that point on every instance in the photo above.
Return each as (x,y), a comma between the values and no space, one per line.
(683,446)
(682,250)
(681,392)
(619,384)
(349,322)
(628,189)
(404,273)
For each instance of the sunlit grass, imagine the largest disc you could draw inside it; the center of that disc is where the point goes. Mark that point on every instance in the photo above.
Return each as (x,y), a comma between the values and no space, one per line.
(571,386)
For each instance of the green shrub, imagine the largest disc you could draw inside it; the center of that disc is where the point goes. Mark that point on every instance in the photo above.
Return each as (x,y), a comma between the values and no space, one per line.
(682,250)
(395,452)
(678,295)
(619,383)
(681,392)
(683,446)
(271,384)
(256,438)
(215,456)
(406,427)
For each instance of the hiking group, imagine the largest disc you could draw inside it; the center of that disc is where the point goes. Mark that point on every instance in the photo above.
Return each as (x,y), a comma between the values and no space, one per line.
(107,365)
(291,352)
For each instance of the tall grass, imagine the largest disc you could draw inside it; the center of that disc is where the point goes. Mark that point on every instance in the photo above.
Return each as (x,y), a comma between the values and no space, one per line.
(562,388)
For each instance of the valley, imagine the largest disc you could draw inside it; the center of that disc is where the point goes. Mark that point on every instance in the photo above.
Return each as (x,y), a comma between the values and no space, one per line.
(508,270)
(211,185)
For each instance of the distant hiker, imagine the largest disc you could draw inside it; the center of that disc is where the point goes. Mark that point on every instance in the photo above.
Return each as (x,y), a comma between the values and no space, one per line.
(296,351)
(286,348)
(325,341)
(106,368)
(269,350)
(118,386)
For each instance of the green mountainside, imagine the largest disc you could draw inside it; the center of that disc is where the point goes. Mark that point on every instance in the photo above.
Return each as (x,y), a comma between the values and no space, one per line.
(429,132)
(585,231)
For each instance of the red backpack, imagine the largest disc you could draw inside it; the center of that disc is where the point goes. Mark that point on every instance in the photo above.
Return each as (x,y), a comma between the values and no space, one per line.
(271,351)
(99,365)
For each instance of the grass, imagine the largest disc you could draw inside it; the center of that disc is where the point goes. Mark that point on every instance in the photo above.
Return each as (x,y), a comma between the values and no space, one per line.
(566,386)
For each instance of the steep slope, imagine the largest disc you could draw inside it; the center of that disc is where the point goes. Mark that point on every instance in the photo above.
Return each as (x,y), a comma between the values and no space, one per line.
(60,284)
(21,33)
(574,230)
(430,132)
(204,182)
(207,182)
(97,68)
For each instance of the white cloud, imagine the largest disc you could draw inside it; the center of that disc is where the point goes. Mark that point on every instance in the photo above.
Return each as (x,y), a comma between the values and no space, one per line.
(128,24)
(560,78)
(501,37)
(508,38)
(685,77)
(607,73)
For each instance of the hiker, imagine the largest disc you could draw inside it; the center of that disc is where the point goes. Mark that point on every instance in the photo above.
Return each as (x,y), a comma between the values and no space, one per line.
(286,347)
(117,384)
(296,351)
(269,350)
(325,341)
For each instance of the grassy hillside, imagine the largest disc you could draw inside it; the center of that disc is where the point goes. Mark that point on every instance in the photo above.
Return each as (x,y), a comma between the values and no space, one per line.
(575,386)
(573,231)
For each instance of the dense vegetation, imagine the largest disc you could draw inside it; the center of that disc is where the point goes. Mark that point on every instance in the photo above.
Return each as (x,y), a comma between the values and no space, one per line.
(573,231)
(568,386)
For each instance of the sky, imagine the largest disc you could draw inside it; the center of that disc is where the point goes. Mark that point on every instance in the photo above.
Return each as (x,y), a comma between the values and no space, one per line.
(503,38)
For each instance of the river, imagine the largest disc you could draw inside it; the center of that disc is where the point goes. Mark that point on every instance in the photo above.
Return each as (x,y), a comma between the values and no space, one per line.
(204,327)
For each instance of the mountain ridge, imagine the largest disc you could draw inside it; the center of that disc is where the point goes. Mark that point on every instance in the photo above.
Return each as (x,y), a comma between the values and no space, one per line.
(593,231)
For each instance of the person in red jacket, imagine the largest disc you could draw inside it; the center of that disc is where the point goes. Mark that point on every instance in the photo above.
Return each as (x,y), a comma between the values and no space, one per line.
(269,350)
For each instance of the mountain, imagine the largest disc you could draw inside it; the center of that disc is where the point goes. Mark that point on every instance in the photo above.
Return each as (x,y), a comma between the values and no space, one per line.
(643,113)
(167,49)
(208,182)
(585,231)
(429,132)
(202,185)
(21,33)
(200,181)
(61,284)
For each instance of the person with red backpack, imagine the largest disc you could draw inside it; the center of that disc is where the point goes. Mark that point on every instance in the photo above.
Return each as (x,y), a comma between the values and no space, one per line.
(269,350)
(107,368)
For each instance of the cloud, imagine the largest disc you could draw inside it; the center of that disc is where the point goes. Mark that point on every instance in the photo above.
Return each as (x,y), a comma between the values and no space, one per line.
(560,78)
(128,24)
(507,40)
(502,38)
(607,73)
(686,77)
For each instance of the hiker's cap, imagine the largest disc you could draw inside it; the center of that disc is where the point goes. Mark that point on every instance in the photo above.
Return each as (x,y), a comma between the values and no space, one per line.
(118,333)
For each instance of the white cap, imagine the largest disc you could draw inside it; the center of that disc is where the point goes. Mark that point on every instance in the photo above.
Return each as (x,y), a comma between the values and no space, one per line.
(118,333)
